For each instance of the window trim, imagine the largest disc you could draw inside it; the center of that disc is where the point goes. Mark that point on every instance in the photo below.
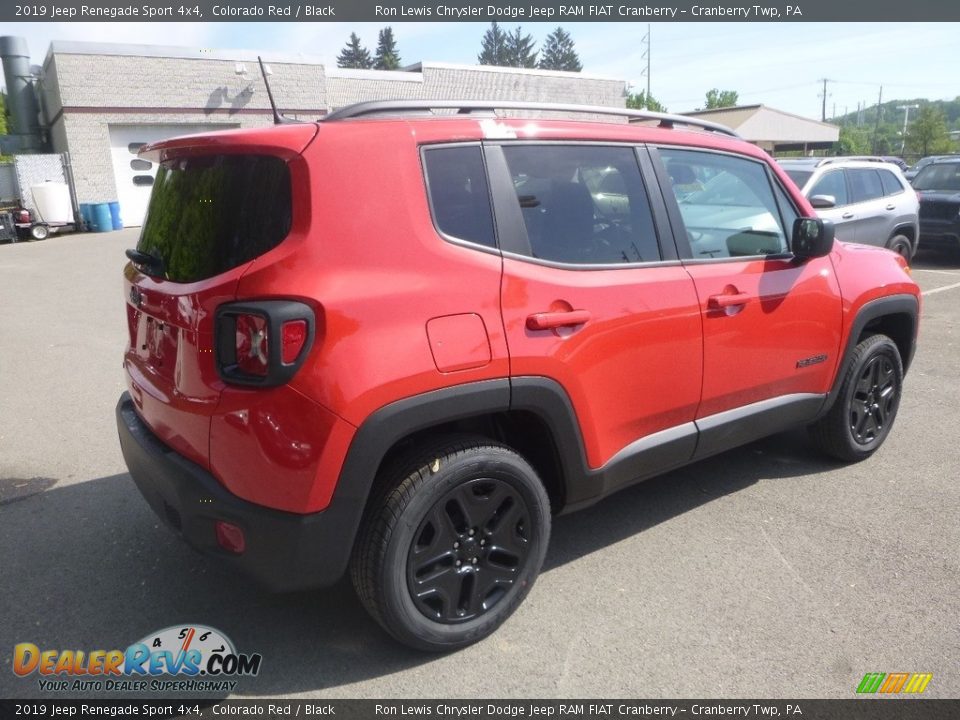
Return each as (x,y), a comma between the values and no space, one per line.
(453,239)
(513,240)
(676,218)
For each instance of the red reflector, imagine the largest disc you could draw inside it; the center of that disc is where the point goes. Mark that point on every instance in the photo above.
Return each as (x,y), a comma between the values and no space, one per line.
(294,336)
(252,350)
(230,537)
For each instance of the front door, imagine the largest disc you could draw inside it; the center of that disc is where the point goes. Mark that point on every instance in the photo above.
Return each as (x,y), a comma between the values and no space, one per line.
(771,323)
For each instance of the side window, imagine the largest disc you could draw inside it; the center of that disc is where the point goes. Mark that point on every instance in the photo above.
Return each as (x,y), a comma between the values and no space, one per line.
(459,199)
(727,204)
(891,184)
(864,184)
(833,184)
(583,204)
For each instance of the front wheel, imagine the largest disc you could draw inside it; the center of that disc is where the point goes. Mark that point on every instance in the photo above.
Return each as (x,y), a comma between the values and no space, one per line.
(454,544)
(867,404)
(39,232)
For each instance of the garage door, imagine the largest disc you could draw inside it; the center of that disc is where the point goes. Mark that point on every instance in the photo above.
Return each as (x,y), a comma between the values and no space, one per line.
(134,177)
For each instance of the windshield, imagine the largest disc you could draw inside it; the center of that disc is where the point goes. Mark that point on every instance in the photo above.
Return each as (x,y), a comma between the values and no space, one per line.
(211,213)
(939,176)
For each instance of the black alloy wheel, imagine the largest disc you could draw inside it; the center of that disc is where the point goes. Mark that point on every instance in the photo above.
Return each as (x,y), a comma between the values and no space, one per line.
(468,551)
(875,399)
(866,403)
(452,542)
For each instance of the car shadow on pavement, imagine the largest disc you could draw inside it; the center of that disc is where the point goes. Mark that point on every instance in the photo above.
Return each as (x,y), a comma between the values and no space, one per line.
(88,566)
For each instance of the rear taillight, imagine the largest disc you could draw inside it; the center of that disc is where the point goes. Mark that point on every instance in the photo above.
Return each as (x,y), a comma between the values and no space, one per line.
(230,537)
(263,343)
(252,344)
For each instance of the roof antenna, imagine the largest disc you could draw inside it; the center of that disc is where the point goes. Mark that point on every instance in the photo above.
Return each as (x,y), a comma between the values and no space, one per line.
(278,119)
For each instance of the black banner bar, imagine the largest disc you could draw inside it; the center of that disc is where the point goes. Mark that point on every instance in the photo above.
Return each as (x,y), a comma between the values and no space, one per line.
(477,11)
(872,708)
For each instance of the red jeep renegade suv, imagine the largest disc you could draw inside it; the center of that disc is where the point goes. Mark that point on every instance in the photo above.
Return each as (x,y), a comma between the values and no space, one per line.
(396,341)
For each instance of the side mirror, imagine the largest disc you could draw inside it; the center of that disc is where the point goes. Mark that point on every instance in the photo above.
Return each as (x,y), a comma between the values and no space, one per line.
(812,238)
(823,201)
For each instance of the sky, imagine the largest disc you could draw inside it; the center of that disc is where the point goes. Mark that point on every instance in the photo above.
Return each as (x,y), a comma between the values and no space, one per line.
(778,64)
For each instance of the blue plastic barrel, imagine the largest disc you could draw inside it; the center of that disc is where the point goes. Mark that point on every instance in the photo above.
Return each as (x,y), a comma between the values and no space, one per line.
(115,222)
(86,215)
(101,217)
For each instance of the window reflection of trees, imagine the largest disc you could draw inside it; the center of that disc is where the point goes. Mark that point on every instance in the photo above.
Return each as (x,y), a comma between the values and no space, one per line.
(209,214)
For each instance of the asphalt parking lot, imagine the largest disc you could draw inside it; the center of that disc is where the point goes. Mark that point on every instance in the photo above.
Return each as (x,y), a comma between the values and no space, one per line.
(765,572)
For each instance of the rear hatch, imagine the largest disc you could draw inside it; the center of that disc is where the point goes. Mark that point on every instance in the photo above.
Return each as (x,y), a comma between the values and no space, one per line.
(219,202)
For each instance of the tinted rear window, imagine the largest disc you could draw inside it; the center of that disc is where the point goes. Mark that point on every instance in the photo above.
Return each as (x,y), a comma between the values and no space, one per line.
(891,185)
(211,213)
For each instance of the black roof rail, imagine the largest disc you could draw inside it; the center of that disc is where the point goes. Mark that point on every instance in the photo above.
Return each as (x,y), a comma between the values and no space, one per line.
(385,107)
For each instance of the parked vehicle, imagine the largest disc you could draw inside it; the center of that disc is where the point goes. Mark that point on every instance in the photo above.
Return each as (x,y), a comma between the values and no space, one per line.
(868,200)
(395,343)
(938,185)
(911,173)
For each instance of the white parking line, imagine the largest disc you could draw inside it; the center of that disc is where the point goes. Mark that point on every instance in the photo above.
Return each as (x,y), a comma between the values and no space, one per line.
(939,272)
(941,289)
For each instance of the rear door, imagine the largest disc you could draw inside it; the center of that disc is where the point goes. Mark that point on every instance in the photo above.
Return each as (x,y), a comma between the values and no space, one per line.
(770,324)
(868,203)
(592,297)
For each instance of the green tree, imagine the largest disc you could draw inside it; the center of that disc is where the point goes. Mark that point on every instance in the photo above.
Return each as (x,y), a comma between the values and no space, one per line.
(559,53)
(493,47)
(927,135)
(853,140)
(3,114)
(386,56)
(354,55)
(721,98)
(520,50)
(640,101)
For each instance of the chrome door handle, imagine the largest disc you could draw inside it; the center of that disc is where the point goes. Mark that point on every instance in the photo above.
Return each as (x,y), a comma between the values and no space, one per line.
(847,215)
(891,206)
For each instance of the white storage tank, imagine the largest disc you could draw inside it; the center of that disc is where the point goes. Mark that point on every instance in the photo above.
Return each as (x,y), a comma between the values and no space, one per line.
(52,200)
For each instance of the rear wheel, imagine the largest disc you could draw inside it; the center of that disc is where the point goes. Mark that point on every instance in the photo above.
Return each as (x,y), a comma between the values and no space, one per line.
(39,232)
(864,411)
(454,543)
(900,244)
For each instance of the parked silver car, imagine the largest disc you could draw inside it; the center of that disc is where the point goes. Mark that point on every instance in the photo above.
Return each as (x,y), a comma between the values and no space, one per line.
(869,201)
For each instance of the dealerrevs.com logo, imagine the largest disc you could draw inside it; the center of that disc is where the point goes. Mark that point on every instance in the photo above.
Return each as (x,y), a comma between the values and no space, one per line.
(201,659)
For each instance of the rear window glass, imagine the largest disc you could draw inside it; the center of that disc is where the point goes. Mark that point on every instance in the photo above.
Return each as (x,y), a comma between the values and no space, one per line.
(211,213)
(891,185)
(458,193)
(865,185)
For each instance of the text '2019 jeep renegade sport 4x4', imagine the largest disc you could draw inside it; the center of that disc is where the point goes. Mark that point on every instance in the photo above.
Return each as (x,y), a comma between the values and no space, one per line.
(397,342)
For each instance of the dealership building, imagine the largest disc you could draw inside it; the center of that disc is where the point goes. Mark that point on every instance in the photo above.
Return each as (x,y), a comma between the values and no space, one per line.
(102,102)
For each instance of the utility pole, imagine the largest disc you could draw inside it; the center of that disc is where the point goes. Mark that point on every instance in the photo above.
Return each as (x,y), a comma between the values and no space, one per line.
(906,119)
(823,108)
(646,53)
(876,128)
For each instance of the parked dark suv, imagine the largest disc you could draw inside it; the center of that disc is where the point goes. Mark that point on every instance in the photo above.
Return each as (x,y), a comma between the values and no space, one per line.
(939,187)
(395,342)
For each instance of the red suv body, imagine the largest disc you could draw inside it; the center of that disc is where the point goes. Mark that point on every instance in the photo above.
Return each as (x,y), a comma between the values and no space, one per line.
(398,343)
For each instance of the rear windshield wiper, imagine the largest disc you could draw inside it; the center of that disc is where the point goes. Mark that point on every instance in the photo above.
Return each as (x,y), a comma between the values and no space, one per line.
(152,264)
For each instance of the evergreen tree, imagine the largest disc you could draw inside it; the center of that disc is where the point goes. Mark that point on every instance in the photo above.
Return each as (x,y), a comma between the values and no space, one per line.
(520,52)
(386,57)
(493,48)
(354,55)
(559,53)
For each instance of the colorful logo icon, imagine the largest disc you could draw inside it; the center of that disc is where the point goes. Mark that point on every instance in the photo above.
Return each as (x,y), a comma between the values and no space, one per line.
(894,683)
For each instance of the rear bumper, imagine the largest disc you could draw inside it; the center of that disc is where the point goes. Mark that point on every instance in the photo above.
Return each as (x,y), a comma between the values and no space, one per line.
(284,551)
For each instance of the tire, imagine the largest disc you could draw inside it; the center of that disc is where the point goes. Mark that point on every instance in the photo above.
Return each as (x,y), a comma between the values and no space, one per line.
(39,232)
(900,244)
(866,406)
(452,544)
